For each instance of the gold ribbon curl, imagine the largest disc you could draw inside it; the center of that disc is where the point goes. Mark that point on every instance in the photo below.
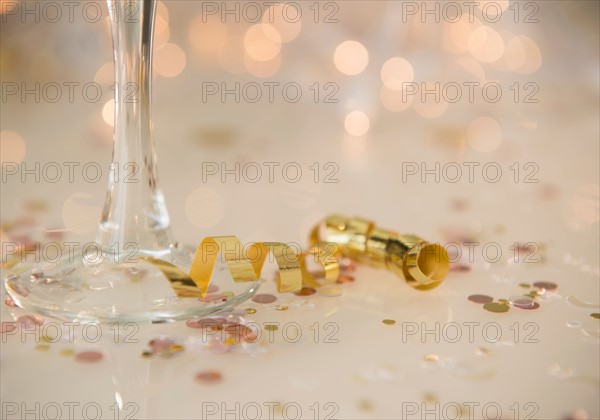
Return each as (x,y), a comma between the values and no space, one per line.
(246,265)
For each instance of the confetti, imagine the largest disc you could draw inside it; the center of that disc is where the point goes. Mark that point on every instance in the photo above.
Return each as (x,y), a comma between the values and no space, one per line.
(483,351)
(160,345)
(496,307)
(206,323)
(480,299)
(89,357)
(525,285)
(281,308)
(42,347)
(209,377)
(67,352)
(305,291)
(330,291)
(523,302)
(264,298)
(503,301)
(10,302)
(344,278)
(535,305)
(431,358)
(6,327)
(545,285)
(595,315)
(271,327)
(250,311)
(389,321)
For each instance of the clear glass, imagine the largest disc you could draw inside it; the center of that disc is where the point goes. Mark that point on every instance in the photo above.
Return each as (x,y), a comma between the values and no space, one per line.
(113,281)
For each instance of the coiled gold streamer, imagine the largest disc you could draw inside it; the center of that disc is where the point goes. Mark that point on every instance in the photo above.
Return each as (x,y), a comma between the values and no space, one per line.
(246,265)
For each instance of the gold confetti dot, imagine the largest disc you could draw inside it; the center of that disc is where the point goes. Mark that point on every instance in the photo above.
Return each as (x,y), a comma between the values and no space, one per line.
(67,352)
(250,310)
(595,315)
(176,348)
(47,339)
(503,301)
(389,321)
(431,358)
(365,405)
(147,354)
(483,351)
(271,327)
(496,307)
(430,397)
(281,308)
(525,285)
(42,347)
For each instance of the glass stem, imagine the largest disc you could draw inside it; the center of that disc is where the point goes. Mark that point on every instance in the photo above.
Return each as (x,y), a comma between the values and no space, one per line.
(134,217)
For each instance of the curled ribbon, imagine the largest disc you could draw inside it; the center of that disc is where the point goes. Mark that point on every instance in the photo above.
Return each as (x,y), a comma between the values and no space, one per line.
(246,265)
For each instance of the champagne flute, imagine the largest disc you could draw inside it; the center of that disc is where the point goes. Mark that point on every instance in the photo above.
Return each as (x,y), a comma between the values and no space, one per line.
(115,281)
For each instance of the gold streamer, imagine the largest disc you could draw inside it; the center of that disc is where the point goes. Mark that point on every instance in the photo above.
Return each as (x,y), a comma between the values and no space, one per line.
(243,268)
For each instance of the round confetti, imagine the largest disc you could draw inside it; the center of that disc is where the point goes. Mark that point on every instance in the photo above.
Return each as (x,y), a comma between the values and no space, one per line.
(42,347)
(344,278)
(209,377)
(525,285)
(161,345)
(573,324)
(264,298)
(330,291)
(89,356)
(271,327)
(480,299)
(67,352)
(6,327)
(389,321)
(523,302)
(503,301)
(545,285)
(250,311)
(595,315)
(535,305)
(282,308)
(496,307)
(10,302)
(305,291)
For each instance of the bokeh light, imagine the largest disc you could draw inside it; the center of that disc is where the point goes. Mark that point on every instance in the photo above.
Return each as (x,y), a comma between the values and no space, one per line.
(486,45)
(395,100)
(351,57)
(357,123)
(286,19)
(206,33)
(396,72)
(108,112)
(262,42)
(169,61)
(12,147)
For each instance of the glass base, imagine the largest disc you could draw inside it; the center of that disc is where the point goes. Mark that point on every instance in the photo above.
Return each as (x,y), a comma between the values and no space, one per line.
(99,288)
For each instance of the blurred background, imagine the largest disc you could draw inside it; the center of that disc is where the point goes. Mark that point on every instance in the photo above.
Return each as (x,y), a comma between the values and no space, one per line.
(373,108)
(508,82)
